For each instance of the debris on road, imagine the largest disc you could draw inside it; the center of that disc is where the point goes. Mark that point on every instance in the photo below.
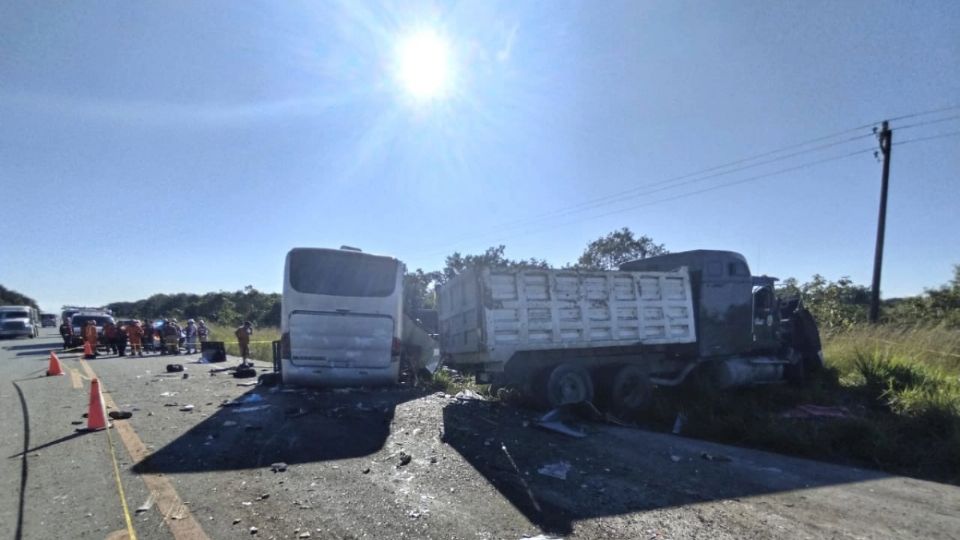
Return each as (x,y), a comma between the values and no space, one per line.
(816,411)
(558,470)
(120,415)
(168,394)
(405,459)
(244,372)
(254,530)
(678,423)
(147,505)
(247,383)
(186,408)
(469,395)
(675,458)
(715,457)
(278,467)
(229,423)
(174,368)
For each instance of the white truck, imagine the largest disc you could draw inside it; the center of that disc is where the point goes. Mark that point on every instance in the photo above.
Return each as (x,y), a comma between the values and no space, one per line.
(557,335)
(555,332)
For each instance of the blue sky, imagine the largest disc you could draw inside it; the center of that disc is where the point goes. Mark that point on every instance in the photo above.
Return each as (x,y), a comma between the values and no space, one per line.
(186,147)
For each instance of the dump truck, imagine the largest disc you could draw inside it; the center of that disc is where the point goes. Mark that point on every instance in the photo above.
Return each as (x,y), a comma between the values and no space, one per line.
(565,335)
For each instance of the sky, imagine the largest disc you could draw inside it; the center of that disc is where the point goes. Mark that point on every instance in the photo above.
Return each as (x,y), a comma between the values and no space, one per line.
(187,146)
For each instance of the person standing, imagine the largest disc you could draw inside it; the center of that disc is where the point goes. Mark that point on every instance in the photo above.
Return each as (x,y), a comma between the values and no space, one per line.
(203,332)
(135,334)
(122,340)
(190,333)
(147,330)
(110,336)
(243,339)
(90,337)
(171,338)
(66,332)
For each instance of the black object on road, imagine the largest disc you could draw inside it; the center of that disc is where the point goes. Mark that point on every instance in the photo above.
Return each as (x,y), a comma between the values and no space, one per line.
(174,368)
(213,351)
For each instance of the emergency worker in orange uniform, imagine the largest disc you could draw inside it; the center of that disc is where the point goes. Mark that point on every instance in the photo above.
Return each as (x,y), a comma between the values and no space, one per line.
(90,335)
(135,334)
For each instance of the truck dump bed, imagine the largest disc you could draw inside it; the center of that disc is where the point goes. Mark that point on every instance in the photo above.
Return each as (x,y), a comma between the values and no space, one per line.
(488,315)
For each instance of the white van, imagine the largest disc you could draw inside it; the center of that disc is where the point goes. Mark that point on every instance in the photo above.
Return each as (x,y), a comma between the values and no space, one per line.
(19,321)
(342,318)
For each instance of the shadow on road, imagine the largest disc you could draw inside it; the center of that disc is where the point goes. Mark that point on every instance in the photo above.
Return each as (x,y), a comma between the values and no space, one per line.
(615,470)
(269,425)
(32,346)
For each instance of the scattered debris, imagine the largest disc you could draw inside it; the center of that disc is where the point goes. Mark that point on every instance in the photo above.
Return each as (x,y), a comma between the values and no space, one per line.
(229,423)
(558,470)
(263,496)
(243,372)
(236,520)
(675,458)
(168,394)
(77,422)
(186,408)
(254,530)
(405,459)
(715,457)
(120,415)
(278,467)
(146,505)
(304,535)
(555,420)
(817,411)
(294,412)
(251,409)
(469,395)
(678,423)
(186,375)
(366,470)
(247,383)
(174,368)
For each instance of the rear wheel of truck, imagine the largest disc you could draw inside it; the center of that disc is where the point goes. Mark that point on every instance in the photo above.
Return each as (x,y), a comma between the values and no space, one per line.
(568,383)
(630,391)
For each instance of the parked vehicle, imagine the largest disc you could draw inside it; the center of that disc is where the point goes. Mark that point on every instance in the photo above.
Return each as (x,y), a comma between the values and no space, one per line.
(565,336)
(342,318)
(19,321)
(48,319)
(79,321)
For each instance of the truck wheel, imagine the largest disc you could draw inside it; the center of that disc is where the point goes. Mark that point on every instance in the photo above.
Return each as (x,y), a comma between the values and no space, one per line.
(806,339)
(630,390)
(568,383)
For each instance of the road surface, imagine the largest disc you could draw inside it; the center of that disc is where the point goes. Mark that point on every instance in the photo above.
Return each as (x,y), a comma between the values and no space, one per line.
(476,470)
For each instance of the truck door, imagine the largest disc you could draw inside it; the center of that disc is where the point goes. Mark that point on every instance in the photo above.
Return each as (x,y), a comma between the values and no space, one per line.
(764,325)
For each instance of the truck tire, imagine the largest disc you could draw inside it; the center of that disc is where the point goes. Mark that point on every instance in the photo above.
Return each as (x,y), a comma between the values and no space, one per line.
(630,390)
(806,339)
(568,383)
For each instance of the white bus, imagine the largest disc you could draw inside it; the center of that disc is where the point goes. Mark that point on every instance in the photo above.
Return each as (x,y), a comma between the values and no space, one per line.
(342,318)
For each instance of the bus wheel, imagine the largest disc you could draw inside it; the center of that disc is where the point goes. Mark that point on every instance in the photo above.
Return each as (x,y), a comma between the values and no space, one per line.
(269,379)
(568,383)
(630,390)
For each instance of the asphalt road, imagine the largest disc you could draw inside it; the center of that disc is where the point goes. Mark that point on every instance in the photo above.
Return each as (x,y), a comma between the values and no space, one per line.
(475,470)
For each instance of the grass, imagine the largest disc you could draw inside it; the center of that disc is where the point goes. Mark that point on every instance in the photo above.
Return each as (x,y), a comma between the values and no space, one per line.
(900,385)
(260,341)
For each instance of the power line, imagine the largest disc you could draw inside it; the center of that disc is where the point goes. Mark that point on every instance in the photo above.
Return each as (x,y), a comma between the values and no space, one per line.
(704,190)
(694,177)
(930,138)
(927,123)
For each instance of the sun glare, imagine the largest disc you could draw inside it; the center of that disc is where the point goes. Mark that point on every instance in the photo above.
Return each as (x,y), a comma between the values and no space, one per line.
(424,68)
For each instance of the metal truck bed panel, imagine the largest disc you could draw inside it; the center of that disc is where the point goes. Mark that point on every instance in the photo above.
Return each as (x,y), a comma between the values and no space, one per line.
(497,312)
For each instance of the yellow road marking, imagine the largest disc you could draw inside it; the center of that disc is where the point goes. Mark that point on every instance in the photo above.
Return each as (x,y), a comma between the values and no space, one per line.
(75,379)
(176,515)
(131,533)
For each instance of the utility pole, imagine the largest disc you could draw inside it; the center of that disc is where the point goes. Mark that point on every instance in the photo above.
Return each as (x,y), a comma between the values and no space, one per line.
(886,137)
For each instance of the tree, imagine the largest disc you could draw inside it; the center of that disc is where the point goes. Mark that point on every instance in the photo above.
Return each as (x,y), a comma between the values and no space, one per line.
(14,298)
(610,251)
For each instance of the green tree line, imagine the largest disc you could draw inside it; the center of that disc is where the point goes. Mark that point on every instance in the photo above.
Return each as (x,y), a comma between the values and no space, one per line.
(13,298)
(835,304)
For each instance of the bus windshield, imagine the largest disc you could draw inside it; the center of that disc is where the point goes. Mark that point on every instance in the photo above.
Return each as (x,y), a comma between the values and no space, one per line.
(342,273)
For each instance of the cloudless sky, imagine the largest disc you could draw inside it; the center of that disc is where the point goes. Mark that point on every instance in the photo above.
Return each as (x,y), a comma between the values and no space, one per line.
(187,146)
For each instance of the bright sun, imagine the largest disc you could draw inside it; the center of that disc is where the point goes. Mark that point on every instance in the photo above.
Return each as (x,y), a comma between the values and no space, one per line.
(424,68)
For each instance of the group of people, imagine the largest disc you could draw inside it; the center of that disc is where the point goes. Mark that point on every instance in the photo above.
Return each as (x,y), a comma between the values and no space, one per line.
(139,336)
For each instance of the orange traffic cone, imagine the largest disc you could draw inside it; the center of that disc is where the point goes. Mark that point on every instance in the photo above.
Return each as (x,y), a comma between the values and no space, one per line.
(54,368)
(96,414)
(88,353)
